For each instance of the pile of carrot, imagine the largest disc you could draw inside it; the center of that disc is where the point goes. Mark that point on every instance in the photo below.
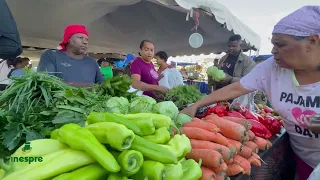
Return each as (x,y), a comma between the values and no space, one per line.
(225,146)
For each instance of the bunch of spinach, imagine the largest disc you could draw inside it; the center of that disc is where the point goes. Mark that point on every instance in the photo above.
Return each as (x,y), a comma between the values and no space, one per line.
(183,95)
(37,103)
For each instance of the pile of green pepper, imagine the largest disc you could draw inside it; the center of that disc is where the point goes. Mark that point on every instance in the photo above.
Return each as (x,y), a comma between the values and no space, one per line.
(112,147)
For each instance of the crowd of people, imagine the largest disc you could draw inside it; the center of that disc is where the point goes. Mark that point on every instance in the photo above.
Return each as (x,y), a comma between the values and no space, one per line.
(290,79)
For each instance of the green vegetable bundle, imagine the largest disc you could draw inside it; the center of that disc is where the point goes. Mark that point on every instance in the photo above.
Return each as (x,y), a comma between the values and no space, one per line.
(183,95)
(216,74)
(36,103)
(108,149)
(117,86)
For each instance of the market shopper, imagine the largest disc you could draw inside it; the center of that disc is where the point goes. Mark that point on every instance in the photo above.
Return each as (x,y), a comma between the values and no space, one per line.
(235,64)
(162,59)
(71,63)
(291,79)
(168,76)
(106,67)
(18,67)
(144,75)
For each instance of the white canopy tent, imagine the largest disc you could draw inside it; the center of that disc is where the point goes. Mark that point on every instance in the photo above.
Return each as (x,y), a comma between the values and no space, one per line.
(118,26)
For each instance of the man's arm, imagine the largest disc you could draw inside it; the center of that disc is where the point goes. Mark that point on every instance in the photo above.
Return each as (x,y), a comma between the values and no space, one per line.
(47,62)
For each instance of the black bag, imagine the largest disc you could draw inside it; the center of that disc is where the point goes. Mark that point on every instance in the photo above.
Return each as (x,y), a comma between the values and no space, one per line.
(10,43)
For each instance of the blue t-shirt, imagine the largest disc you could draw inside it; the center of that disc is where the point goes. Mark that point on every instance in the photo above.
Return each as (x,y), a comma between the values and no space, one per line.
(58,63)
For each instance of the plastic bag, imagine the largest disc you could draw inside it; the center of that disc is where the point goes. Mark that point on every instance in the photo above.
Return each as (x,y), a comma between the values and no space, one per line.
(315,175)
(139,93)
(247,101)
(171,78)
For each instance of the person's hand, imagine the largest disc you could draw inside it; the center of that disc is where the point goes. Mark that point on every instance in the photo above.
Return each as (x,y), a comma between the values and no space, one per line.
(191,111)
(312,126)
(227,79)
(162,89)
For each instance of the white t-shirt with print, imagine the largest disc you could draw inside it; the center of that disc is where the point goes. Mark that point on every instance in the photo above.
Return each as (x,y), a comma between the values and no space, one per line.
(293,102)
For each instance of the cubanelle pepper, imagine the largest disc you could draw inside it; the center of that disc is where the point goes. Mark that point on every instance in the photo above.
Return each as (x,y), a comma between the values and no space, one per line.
(117,176)
(151,170)
(159,120)
(96,117)
(179,145)
(114,134)
(173,171)
(130,161)
(161,136)
(52,165)
(89,172)
(153,151)
(191,170)
(82,139)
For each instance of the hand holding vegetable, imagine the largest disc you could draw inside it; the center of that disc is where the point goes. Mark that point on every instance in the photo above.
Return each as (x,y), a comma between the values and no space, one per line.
(162,89)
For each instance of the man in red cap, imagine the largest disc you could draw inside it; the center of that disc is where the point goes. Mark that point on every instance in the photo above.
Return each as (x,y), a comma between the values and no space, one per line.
(70,63)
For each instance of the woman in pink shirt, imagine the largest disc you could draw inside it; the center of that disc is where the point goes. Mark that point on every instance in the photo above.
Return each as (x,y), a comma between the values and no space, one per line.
(144,75)
(291,80)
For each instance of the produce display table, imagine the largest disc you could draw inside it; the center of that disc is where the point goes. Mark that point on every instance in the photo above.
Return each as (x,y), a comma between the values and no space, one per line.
(201,85)
(279,161)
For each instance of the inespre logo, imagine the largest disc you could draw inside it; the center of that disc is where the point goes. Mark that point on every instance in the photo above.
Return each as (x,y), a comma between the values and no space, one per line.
(25,159)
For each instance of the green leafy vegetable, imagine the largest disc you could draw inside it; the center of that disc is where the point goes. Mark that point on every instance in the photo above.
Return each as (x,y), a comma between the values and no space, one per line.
(215,73)
(181,119)
(118,105)
(183,95)
(142,104)
(167,108)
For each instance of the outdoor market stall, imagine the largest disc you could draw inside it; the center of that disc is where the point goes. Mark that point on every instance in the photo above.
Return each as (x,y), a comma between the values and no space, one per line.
(71,123)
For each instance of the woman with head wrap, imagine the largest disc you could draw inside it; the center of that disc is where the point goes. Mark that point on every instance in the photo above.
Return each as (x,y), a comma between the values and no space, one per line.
(291,80)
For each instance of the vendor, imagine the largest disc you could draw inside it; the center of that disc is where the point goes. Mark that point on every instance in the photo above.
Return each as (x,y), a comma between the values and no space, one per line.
(71,63)
(144,75)
(291,80)
(106,67)
(235,64)
(18,67)
(162,59)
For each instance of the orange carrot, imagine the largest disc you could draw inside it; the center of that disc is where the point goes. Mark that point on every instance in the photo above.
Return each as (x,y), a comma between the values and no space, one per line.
(207,174)
(241,121)
(253,146)
(236,144)
(245,164)
(246,152)
(269,143)
(262,143)
(234,169)
(201,134)
(254,161)
(228,128)
(202,125)
(210,158)
(222,168)
(251,135)
(223,150)
(196,119)
(221,176)
(230,161)
(255,155)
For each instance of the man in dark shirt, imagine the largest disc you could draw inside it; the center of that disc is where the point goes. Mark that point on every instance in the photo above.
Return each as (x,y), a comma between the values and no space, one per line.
(71,63)
(235,64)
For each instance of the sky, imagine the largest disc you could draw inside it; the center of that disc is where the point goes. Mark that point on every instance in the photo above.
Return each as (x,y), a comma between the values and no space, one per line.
(262,15)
